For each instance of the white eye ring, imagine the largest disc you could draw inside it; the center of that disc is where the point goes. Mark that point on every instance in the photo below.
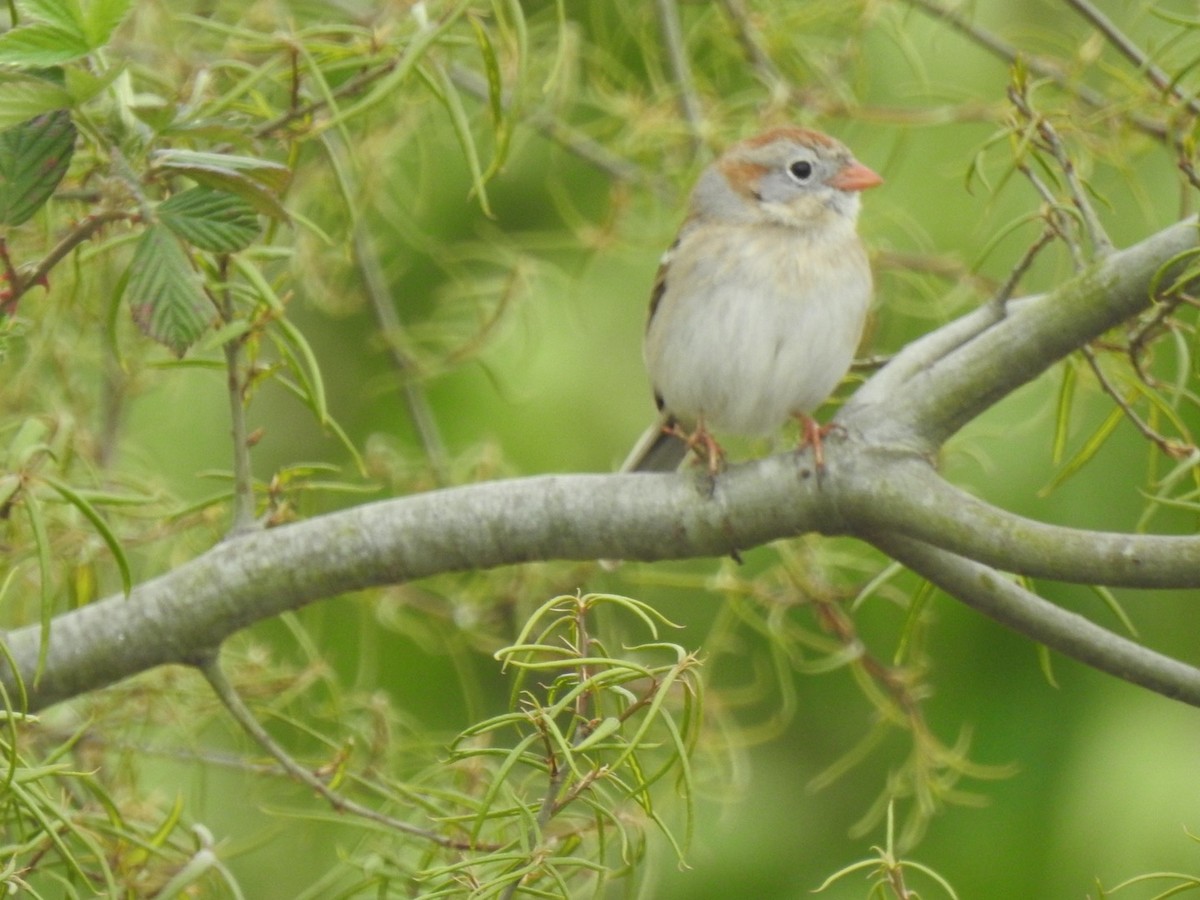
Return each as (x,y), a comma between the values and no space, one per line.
(801,170)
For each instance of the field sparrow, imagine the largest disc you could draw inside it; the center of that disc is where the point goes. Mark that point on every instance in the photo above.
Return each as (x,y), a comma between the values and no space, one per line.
(759,304)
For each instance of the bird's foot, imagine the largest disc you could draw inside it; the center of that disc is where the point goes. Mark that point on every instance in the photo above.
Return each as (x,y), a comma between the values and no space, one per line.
(701,442)
(813,434)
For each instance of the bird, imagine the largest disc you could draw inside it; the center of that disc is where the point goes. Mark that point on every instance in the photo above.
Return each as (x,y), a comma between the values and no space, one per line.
(759,304)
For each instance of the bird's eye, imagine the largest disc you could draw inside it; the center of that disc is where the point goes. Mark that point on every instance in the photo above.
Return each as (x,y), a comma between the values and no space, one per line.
(801,170)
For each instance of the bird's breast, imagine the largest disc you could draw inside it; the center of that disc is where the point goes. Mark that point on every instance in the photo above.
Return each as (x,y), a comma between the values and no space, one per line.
(756,324)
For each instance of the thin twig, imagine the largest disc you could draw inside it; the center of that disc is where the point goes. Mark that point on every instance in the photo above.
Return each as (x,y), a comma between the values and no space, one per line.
(571,139)
(390,327)
(1000,299)
(1102,245)
(1053,213)
(236,381)
(752,45)
(210,668)
(416,403)
(681,70)
(1171,448)
(82,232)
(1132,52)
(1140,338)
(987,591)
(1039,66)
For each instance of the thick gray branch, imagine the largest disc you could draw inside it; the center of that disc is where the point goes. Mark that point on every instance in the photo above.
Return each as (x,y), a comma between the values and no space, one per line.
(181,616)
(911,499)
(874,486)
(940,395)
(990,593)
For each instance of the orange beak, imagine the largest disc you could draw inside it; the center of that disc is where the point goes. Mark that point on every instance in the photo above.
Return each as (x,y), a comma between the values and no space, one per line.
(855,177)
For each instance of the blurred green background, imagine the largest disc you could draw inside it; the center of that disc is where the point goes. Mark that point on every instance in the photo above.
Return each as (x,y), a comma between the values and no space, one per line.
(1106,783)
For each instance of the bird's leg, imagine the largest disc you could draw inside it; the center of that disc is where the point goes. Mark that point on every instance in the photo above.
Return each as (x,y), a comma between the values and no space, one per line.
(701,442)
(813,435)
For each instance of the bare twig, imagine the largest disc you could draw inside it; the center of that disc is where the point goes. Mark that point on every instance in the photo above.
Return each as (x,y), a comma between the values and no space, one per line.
(1056,220)
(1049,138)
(1132,52)
(236,382)
(416,403)
(752,45)
(390,327)
(210,668)
(1010,53)
(681,70)
(80,233)
(1171,448)
(987,591)
(1140,338)
(1000,299)
(1101,243)
(571,139)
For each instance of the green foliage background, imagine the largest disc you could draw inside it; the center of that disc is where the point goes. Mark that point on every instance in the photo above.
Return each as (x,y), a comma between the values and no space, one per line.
(520,298)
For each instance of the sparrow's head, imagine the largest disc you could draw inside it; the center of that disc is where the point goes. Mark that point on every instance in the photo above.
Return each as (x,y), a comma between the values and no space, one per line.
(786,176)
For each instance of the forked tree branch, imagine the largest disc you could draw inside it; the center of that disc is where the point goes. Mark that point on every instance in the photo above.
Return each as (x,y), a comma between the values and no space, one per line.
(878,485)
(989,592)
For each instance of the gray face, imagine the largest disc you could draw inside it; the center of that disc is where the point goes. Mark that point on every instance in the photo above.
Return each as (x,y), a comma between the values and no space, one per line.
(786,181)
(796,172)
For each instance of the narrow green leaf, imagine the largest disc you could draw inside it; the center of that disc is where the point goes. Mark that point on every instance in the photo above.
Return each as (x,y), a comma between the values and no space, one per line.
(41,540)
(491,67)
(106,533)
(498,781)
(164,292)
(30,441)
(414,52)
(211,220)
(1115,607)
(10,484)
(912,622)
(1062,418)
(1085,453)
(451,101)
(608,726)
(22,97)
(34,157)
(1046,664)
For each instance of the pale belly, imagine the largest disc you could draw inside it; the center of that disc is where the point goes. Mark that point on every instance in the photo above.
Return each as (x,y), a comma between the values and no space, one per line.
(746,346)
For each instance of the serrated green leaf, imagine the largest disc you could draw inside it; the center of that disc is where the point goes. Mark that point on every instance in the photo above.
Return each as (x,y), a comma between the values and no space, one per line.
(211,220)
(102,17)
(269,174)
(23,97)
(34,157)
(257,181)
(65,14)
(41,45)
(83,85)
(164,292)
(68,26)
